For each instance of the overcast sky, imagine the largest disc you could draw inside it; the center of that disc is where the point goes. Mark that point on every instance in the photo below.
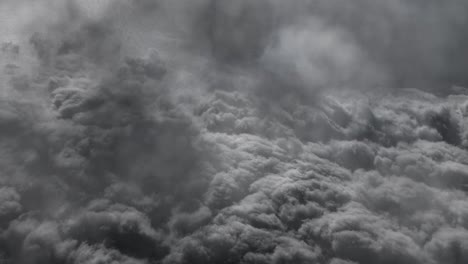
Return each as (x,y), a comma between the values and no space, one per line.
(233,131)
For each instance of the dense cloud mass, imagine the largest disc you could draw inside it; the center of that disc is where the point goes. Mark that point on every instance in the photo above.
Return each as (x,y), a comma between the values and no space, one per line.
(233,131)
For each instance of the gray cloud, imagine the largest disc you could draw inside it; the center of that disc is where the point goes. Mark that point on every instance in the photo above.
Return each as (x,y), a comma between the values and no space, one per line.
(233,132)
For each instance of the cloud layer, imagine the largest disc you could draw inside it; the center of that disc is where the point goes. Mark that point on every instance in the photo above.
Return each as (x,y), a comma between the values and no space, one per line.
(233,132)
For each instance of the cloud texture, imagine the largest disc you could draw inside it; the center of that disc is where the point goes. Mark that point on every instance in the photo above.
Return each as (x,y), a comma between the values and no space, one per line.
(233,132)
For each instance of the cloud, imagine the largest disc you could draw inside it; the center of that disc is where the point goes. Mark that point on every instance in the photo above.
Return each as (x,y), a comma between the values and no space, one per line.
(234,132)
(312,55)
(100,254)
(11,204)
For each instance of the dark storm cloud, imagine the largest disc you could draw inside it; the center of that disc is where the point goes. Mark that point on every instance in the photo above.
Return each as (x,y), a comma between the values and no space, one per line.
(11,204)
(417,42)
(233,132)
(104,125)
(400,43)
(414,189)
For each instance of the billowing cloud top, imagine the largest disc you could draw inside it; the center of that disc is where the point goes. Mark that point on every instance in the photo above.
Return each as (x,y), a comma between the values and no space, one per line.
(221,131)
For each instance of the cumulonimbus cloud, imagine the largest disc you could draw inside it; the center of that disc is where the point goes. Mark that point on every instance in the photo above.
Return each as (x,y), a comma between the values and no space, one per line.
(233,132)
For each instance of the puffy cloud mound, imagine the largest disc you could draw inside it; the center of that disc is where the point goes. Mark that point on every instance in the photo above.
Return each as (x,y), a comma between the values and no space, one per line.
(216,131)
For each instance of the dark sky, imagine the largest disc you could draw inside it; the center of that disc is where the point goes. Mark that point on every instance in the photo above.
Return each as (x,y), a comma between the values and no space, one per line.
(233,131)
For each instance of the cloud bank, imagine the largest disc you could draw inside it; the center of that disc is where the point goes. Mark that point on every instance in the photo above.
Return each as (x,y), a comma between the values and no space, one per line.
(233,132)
